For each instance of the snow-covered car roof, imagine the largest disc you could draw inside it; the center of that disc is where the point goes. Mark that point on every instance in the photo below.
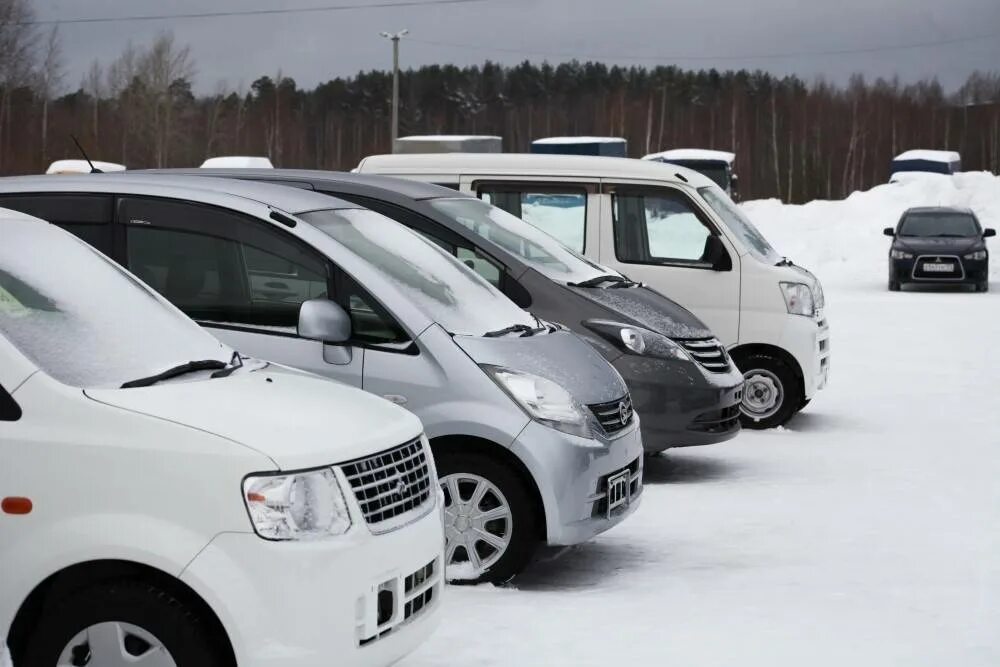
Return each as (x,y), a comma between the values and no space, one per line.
(929,155)
(448,137)
(237,162)
(516,164)
(82,167)
(561,141)
(692,154)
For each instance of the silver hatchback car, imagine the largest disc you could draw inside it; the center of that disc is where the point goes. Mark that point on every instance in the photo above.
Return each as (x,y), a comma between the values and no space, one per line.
(532,430)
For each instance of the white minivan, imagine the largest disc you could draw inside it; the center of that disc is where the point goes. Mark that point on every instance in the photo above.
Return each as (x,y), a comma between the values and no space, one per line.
(165,501)
(676,231)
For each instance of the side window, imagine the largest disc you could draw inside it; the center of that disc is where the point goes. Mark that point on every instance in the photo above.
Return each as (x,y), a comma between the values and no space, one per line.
(561,213)
(218,266)
(88,217)
(661,226)
(370,323)
(10,411)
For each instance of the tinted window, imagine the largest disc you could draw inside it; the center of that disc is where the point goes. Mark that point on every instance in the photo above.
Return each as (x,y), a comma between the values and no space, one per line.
(562,215)
(10,411)
(941,223)
(229,270)
(83,320)
(661,226)
(88,217)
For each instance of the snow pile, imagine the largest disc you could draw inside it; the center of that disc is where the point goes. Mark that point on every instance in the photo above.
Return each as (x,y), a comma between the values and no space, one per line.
(842,241)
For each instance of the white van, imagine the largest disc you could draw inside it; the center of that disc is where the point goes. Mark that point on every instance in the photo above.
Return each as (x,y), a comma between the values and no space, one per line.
(678,232)
(166,501)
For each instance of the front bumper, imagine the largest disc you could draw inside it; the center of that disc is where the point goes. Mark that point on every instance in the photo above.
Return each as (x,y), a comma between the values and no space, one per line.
(969,271)
(312,604)
(571,474)
(679,406)
(807,339)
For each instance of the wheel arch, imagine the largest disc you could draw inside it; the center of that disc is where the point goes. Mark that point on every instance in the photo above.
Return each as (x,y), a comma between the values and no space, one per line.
(743,351)
(447,444)
(82,575)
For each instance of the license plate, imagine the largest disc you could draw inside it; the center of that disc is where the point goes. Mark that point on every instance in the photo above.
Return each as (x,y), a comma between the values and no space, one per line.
(939,268)
(619,490)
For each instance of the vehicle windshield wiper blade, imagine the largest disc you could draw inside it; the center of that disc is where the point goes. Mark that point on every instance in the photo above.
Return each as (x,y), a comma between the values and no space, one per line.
(177,371)
(597,280)
(524,329)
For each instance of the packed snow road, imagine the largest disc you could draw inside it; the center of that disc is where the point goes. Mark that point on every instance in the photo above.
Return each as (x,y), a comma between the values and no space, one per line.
(866,533)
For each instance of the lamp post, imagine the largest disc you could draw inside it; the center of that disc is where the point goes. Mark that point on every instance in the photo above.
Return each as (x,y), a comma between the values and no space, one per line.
(394,38)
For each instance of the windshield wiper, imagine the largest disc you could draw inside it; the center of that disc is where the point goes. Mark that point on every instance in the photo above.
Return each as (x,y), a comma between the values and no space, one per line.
(235,364)
(597,280)
(177,371)
(524,329)
(784,261)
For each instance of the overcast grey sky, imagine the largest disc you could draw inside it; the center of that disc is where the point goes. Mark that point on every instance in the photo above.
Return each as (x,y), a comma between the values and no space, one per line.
(724,34)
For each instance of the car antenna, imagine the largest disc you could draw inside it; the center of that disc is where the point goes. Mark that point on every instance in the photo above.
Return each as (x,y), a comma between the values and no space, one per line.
(93,169)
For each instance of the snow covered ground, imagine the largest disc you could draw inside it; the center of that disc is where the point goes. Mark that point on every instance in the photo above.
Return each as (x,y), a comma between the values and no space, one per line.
(866,533)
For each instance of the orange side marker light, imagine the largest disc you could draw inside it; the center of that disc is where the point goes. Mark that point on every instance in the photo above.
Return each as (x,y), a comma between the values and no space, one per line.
(16,505)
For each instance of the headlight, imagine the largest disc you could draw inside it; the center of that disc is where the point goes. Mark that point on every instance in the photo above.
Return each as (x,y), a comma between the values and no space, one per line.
(543,400)
(296,506)
(979,254)
(636,340)
(900,254)
(798,299)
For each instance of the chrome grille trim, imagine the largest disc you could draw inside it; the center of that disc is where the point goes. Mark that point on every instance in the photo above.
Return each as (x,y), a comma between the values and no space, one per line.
(708,352)
(609,414)
(391,484)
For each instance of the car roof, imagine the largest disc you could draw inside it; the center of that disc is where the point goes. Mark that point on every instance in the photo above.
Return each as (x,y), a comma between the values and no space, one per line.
(408,188)
(692,154)
(290,200)
(513,164)
(940,209)
(929,155)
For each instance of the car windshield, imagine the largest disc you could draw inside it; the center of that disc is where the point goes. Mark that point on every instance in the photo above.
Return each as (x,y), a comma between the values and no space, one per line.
(941,223)
(536,248)
(451,294)
(82,319)
(739,224)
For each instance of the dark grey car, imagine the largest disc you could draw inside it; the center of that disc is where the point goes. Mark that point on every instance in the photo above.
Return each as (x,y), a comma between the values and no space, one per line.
(680,377)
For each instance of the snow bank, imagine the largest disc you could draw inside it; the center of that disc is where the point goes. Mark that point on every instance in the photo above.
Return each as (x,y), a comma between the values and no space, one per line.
(842,241)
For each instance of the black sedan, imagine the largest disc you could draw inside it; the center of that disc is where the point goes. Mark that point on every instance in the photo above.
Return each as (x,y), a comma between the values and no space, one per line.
(937,244)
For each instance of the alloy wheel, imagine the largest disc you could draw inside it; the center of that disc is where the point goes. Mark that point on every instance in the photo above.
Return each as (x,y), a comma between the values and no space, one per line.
(115,644)
(478,525)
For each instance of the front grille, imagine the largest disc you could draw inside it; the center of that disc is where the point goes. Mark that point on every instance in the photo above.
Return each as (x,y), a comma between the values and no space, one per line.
(708,352)
(717,421)
(614,416)
(390,483)
(921,272)
(600,509)
(419,589)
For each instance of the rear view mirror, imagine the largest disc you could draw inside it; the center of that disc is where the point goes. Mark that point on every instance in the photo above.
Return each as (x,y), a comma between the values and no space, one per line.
(324,320)
(716,255)
(889,231)
(988,232)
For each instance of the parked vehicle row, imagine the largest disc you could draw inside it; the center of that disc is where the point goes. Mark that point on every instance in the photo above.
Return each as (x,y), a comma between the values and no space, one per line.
(533,372)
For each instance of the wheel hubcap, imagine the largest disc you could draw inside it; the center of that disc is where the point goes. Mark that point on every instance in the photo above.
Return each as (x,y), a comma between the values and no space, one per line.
(115,644)
(477,523)
(762,394)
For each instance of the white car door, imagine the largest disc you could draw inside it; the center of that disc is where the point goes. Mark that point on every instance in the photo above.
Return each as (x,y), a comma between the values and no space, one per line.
(660,236)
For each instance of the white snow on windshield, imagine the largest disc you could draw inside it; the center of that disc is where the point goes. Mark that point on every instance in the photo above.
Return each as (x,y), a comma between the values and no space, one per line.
(450,293)
(83,320)
(536,248)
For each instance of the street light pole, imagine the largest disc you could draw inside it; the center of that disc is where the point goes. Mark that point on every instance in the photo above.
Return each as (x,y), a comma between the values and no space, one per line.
(395,37)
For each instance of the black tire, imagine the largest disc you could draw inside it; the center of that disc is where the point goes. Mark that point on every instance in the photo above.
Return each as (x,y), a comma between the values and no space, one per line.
(893,286)
(804,403)
(983,286)
(524,535)
(177,627)
(789,387)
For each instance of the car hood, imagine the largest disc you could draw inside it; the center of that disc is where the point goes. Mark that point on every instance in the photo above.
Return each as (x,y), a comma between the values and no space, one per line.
(560,356)
(937,245)
(296,419)
(647,308)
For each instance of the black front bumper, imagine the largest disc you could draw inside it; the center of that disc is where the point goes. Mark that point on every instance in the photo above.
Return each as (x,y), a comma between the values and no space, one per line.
(677,405)
(914,270)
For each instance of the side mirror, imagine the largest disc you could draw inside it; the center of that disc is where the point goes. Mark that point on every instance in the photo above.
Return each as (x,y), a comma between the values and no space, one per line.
(889,231)
(324,320)
(716,254)
(989,232)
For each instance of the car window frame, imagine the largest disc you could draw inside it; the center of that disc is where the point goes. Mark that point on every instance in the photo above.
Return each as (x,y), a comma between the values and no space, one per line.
(614,189)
